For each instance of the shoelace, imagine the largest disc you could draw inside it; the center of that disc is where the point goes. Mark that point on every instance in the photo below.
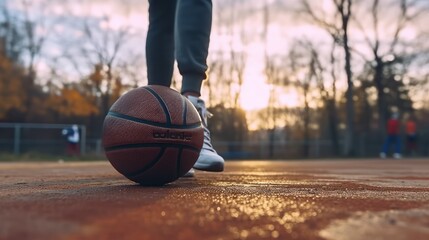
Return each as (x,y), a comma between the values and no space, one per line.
(207,141)
(205,114)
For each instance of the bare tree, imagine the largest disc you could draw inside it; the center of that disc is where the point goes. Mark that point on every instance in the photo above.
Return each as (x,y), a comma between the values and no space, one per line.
(318,71)
(388,48)
(227,65)
(302,65)
(100,56)
(270,74)
(226,76)
(102,51)
(338,28)
(24,38)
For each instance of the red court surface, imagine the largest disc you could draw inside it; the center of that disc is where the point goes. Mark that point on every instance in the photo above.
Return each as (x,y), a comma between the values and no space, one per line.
(342,199)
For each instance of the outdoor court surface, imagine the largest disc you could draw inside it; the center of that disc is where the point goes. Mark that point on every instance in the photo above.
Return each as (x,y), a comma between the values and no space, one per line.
(341,199)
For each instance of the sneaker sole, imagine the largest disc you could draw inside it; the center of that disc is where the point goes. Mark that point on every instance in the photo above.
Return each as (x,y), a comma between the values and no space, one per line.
(212,167)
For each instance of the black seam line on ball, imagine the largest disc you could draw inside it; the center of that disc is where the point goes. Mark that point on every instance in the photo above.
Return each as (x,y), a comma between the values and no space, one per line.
(149,166)
(161,101)
(147,145)
(151,123)
(185,110)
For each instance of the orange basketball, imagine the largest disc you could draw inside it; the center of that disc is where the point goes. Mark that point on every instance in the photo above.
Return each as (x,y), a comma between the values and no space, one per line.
(152,135)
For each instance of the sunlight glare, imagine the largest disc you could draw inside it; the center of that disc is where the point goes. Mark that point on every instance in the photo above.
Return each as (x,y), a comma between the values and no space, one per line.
(255,94)
(290,99)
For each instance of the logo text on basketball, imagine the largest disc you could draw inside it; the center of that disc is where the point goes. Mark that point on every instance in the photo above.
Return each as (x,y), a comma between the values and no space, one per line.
(172,135)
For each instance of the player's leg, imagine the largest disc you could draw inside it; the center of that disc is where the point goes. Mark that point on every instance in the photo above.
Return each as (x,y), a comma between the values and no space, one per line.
(193,27)
(413,143)
(398,147)
(69,149)
(160,42)
(385,148)
(160,46)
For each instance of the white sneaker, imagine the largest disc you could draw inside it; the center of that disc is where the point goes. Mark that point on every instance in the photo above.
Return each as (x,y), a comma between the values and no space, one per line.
(382,155)
(397,156)
(209,159)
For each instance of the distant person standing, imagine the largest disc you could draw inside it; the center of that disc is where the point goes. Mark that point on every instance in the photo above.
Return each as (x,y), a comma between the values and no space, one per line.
(73,138)
(393,137)
(411,132)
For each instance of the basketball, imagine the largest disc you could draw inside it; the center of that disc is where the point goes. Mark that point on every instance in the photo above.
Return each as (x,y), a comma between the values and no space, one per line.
(152,135)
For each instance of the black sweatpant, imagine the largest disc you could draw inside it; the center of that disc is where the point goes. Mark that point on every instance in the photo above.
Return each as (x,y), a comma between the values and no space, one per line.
(178,29)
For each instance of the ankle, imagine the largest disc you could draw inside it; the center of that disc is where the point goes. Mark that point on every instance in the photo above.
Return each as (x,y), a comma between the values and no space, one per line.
(193,94)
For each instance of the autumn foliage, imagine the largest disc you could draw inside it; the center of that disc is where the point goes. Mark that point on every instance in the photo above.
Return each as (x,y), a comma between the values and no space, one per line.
(12,97)
(22,100)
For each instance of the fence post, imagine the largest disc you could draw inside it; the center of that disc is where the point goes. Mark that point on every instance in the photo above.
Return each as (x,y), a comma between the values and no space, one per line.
(17,139)
(98,147)
(83,141)
(362,145)
(317,147)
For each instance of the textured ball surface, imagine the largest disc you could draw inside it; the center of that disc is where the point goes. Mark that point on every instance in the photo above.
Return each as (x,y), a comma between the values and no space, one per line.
(152,135)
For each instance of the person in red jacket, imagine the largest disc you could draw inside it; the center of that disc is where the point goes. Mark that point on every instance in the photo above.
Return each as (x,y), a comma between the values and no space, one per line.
(411,131)
(393,136)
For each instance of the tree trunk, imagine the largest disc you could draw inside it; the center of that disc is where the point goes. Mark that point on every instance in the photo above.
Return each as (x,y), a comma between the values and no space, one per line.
(350,110)
(381,103)
(306,147)
(333,123)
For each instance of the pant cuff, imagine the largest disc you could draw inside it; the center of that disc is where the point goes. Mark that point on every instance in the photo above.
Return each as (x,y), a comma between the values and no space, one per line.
(192,83)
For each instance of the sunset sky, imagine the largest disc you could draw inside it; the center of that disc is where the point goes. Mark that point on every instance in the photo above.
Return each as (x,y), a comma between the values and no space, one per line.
(61,18)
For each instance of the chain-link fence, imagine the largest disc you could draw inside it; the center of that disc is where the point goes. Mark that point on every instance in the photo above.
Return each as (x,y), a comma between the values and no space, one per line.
(21,138)
(48,139)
